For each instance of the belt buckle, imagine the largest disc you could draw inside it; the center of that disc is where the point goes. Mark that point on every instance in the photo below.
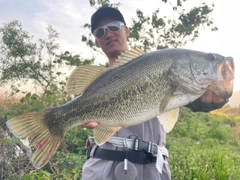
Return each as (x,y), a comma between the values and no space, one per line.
(140,145)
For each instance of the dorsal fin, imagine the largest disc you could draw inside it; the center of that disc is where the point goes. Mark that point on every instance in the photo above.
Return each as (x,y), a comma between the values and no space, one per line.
(82,77)
(127,56)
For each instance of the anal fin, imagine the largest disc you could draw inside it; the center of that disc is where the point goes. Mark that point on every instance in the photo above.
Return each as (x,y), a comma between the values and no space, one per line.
(169,119)
(103,133)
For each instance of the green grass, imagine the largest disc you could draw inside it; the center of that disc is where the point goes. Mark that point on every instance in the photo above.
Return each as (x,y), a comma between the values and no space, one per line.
(203,148)
(204,160)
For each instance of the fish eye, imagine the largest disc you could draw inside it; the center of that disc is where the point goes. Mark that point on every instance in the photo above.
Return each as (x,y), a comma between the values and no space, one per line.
(211,56)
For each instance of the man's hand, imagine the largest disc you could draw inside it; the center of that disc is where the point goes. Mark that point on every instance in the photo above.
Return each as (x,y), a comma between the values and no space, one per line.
(210,97)
(90,125)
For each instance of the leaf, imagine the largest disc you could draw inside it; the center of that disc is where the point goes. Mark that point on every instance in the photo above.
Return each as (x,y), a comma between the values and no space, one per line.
(15,140)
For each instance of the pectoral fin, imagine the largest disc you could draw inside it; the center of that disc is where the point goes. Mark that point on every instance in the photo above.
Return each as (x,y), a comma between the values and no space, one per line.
(103,133)
(169,119)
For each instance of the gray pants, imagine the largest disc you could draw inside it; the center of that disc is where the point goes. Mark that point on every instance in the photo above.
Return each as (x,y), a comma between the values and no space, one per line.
(99,169)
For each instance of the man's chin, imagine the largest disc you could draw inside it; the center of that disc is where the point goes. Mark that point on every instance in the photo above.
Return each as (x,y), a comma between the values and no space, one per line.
(114,52)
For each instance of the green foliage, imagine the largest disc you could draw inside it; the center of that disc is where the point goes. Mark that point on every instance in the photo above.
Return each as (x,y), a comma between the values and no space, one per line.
(204,150)
(76,139)
(188,122)
(156,32)
(23,59)
(65,166)
(33,102)
(40,175)
(17,41)
(68,166)
(68,161)
(227,106)
(102,2)
(188,162)
(192,125)
(72,60)
(220,133)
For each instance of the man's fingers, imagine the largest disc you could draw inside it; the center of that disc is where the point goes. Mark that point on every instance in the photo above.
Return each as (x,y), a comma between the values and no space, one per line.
(90,125)
(210,97)
(217,99)
(207,97)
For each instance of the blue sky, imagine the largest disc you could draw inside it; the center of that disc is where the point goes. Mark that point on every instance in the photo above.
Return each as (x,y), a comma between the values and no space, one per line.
(67,17)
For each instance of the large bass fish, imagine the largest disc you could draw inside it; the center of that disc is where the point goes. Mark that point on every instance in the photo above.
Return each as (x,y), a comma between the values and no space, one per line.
(136,89)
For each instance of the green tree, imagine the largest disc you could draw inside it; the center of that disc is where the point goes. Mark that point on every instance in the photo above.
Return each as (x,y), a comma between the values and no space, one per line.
(22,59)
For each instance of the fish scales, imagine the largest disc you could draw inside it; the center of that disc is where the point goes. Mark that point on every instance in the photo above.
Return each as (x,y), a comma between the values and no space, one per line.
(130,94)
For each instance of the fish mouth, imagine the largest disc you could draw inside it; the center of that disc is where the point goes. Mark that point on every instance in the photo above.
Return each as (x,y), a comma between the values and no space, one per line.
(224,85)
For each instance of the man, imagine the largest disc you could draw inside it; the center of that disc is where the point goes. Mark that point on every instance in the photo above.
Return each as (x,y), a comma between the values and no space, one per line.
(111,32)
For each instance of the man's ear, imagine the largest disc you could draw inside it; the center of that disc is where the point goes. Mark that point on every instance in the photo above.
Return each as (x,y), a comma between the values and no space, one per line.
(97,44)
(127,31)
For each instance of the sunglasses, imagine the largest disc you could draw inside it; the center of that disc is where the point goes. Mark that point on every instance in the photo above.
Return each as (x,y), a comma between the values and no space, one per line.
(112,27)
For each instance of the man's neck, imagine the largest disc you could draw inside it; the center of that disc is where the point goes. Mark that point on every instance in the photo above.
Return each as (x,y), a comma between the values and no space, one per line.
(111,61)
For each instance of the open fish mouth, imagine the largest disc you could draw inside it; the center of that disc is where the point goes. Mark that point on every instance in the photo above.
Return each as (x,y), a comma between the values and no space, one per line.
(224,86)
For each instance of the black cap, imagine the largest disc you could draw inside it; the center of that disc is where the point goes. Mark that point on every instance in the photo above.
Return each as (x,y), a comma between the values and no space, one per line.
(103,12)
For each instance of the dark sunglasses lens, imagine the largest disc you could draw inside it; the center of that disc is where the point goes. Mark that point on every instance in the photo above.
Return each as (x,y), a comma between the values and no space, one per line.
(99,33)
(113,28)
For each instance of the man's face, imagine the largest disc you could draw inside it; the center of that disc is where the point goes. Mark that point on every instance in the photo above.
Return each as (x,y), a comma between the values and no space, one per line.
(113,44)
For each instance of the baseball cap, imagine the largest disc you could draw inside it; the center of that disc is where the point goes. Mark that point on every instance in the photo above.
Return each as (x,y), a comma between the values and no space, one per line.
(103,12)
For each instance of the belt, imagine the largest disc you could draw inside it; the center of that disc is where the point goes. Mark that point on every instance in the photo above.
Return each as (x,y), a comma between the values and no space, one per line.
(135,144)
(133,156)
(136,151)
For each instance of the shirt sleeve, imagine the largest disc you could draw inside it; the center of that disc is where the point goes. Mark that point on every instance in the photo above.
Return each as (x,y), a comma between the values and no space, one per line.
(198,106)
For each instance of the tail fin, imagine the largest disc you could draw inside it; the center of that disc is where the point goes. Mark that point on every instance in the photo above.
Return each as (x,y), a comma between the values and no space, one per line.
(34,128)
